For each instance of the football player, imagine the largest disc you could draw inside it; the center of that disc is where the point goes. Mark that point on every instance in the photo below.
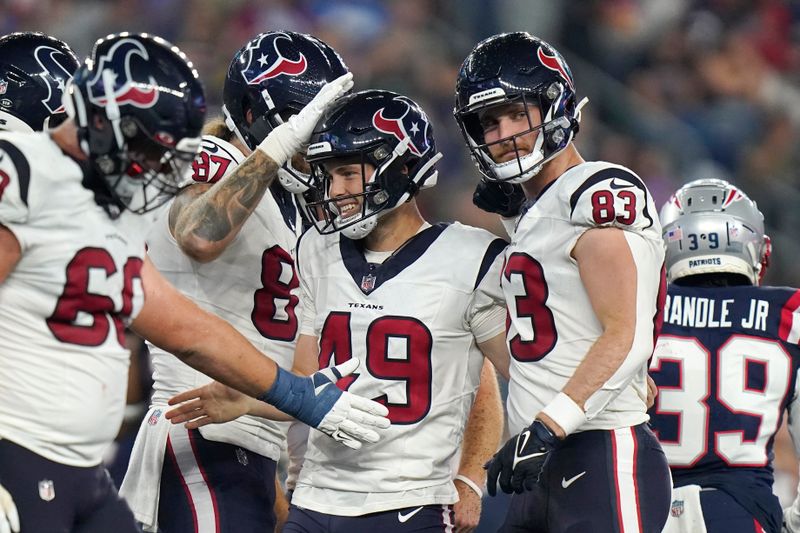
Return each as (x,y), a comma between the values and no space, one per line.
(34,68)
(228,244)
(725,363)
(581,280)
(71,280)
(419,305)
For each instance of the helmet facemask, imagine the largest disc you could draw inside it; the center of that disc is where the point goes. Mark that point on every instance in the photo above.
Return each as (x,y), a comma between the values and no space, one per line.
(552,132)
(153,172)
(392,179)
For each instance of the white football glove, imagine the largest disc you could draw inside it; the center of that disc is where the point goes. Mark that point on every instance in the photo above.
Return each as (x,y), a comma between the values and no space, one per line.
(290,137)
(791,520)
(9,518)
(317,401)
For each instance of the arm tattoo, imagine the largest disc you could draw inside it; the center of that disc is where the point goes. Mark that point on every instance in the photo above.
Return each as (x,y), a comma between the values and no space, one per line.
(218,214)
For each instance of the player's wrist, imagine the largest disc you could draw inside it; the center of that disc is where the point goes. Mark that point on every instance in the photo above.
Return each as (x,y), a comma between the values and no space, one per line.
(278,145)
(476,488)
(295,396)
(563,410)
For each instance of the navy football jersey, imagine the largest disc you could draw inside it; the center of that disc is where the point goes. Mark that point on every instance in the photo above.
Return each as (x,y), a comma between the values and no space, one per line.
(726,368)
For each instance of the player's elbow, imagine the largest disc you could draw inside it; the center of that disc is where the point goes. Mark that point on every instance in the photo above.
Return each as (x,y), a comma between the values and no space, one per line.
(620,339)
(199,250)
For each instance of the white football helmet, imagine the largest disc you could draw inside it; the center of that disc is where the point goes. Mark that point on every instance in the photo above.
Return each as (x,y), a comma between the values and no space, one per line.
(711,226)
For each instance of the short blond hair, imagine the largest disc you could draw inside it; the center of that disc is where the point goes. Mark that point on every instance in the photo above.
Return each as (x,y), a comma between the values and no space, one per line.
(216,127)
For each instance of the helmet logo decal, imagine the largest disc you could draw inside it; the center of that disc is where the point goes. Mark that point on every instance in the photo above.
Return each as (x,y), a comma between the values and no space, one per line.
(142,94)
(554,63)
(404,127)
(271,63)
(54,74)
(733,195)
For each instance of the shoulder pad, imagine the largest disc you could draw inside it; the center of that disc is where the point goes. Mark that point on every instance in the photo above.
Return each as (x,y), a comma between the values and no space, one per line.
(612,197)
(216,159)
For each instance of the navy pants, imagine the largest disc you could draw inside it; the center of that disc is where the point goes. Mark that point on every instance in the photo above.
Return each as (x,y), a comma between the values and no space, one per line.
(598,481)
(56,498)
(420,519)
(214,487)
(723,514)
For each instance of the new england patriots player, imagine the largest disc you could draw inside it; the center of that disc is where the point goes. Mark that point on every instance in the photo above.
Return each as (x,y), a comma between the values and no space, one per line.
(582,281)
(725,363)
(34,69)
(71,280)
(228,244)
(419,305)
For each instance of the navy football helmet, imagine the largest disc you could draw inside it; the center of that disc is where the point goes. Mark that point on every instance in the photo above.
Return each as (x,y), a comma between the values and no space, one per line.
(517,68)
(274,76)
(386,130)
(34,68)
(139,107)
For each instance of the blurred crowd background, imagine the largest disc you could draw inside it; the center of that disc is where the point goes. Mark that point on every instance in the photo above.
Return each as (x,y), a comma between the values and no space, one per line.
(678,89)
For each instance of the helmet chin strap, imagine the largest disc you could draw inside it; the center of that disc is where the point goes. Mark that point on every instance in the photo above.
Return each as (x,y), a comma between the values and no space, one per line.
(232,126)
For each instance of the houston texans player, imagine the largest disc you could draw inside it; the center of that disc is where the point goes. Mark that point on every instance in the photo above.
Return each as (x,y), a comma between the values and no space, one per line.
(581,280)
(71,280)
(418,304)
(34,69)
(725,363)
(229,247)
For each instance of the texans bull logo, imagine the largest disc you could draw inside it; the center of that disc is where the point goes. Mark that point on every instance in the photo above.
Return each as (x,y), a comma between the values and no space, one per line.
(265,60)
(556,64)
(127,90)
(54,74)
(407,125)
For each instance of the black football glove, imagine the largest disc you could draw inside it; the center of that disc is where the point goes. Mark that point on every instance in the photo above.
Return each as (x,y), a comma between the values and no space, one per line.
(520,461)
(505,199)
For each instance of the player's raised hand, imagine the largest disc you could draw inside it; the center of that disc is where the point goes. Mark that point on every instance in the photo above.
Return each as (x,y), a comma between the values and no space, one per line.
(210,404)
(317,401)
(288,138)
(9,518)
(505,199)
(519,463)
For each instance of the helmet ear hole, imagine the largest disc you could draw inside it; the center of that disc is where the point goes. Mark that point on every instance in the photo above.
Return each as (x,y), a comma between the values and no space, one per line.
(129,127)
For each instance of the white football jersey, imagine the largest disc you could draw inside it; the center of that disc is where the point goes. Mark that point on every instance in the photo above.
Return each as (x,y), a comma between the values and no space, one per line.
(64,307)
(414,322)
(252,285)
(551,321)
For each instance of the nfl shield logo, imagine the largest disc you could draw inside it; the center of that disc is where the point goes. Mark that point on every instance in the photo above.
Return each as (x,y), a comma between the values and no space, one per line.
(47,491)
(3,86)
(367,283)
(677,508)
(153,420)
